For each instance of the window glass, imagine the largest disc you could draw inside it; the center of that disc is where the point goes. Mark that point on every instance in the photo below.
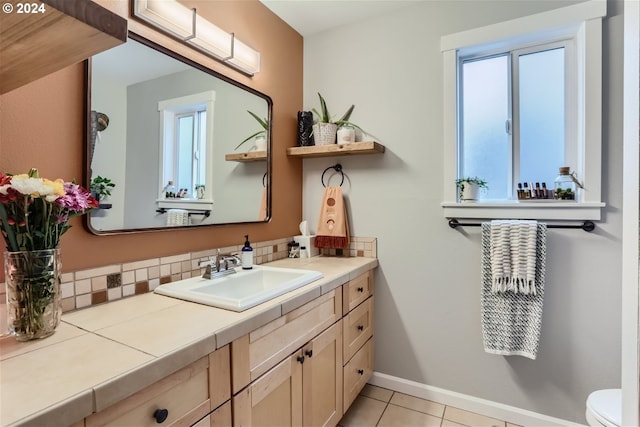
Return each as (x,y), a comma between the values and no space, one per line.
(485,150)
(199,167)
(504,147)
(542,115)
(191,149)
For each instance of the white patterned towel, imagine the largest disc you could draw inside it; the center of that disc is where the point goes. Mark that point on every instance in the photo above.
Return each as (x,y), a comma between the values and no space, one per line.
(513,256)
(511,320)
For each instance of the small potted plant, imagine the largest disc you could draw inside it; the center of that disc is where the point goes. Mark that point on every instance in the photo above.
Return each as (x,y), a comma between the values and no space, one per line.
(101,187)
(260,136)
(324,129)
(469,188)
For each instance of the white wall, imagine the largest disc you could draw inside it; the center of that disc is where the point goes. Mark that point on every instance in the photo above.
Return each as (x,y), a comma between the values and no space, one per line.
(428,283)
(109,157)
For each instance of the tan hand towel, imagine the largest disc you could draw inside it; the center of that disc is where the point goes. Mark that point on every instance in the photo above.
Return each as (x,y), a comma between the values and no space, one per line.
(333,226)
(262,213)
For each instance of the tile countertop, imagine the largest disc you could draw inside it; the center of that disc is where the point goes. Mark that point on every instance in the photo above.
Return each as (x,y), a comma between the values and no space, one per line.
(103,354)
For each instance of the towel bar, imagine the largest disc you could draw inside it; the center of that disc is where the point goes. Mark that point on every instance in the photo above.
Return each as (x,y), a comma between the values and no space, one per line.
(204,212)
(586,225)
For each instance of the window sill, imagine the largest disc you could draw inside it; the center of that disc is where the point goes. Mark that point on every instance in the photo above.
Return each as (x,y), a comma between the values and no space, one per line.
(551,210)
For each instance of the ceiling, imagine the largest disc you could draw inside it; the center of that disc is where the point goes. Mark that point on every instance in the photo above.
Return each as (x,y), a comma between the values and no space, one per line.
(309,17)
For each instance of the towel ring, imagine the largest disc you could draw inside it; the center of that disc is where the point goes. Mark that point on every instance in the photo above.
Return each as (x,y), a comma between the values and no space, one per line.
(338,168)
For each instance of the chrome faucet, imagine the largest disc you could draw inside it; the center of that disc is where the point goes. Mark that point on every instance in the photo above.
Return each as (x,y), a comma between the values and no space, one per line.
(220,265)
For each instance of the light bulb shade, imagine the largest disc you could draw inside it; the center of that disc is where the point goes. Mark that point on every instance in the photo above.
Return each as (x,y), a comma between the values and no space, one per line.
(212,39)
(171,16)
(245,58)
(184,23)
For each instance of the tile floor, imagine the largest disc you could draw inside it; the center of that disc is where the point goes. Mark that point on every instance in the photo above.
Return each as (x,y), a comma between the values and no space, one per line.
(379,407)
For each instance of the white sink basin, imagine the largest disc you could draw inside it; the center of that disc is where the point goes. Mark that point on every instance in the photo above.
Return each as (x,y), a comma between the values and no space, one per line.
(241,290)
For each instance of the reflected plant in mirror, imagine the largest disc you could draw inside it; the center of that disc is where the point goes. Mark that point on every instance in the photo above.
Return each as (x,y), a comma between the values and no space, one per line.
(173,121)
(260,137)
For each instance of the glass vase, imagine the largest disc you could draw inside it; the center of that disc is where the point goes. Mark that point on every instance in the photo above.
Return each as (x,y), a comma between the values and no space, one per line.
(564,185)
(34,305)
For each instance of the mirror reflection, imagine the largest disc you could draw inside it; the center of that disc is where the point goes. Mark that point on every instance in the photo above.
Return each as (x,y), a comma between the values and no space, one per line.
(165,142)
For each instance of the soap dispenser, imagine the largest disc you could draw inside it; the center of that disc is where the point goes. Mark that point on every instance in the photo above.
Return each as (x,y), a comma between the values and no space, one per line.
(247,254)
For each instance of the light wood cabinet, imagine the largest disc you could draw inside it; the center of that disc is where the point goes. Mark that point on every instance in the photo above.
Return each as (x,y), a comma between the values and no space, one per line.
(304,389)
(306,367)
(258,351)
(357,372)
(356,291)
(322,378)
(184,398)
(358,335)
(358,328)
(273,400)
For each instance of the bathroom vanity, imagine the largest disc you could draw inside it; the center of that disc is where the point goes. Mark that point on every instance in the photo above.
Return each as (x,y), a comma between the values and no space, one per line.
(298,359)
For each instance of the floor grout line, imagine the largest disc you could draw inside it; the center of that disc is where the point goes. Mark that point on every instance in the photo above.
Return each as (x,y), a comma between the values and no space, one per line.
(386,405)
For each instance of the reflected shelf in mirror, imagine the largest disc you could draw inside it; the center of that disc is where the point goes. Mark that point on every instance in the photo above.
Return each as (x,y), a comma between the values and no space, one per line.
(250,156)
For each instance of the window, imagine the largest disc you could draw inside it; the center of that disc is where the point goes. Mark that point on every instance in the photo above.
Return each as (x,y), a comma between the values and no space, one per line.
(513,115)
(190,147)
(522,98)
(186,142)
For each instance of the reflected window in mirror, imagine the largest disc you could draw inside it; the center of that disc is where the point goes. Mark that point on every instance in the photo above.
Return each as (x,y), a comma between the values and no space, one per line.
(187,137)
(172,119)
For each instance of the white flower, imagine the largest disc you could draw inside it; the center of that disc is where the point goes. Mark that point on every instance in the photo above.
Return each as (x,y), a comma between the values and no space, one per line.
(37,187)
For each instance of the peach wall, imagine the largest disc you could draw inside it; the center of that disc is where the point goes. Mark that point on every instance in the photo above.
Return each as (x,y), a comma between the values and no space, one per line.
(41,125)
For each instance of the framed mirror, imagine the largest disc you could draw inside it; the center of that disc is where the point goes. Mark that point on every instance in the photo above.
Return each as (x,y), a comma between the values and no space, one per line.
(165,143)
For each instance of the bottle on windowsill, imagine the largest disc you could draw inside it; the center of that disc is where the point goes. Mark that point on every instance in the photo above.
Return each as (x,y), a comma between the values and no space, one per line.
(169,191)
(564,185)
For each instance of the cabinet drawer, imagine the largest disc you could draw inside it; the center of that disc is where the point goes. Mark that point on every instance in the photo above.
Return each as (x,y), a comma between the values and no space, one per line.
(255,353)
(357,328)
(356,291)
(185,394)
(357,372)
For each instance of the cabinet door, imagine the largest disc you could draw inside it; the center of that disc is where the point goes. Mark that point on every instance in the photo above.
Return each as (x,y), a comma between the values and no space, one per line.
(322,378)
(275,399)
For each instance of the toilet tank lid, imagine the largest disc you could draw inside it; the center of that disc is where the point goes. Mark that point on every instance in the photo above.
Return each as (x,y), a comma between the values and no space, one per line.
(607,404)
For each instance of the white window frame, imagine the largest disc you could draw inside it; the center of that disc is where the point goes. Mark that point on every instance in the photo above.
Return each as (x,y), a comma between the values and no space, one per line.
(168,110)
(582,23)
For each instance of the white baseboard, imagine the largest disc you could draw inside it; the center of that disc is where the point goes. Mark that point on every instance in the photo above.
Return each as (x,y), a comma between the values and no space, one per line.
(491,409)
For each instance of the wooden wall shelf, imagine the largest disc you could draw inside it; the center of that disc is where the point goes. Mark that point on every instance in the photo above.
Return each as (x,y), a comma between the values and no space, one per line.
(364,147)
(249,156)
(60,34)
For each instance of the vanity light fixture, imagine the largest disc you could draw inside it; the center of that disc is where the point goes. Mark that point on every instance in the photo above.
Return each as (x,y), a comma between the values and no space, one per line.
(185,24)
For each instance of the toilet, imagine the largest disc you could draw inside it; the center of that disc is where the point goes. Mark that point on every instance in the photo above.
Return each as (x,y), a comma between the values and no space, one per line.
(604,408)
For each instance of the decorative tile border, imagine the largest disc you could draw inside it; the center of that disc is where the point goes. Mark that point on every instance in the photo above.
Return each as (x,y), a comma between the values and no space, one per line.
(85,288)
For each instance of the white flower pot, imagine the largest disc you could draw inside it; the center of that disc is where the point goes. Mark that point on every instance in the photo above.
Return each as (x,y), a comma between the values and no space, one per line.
(260,143)
(325,133)
(346,134)
(470,192)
